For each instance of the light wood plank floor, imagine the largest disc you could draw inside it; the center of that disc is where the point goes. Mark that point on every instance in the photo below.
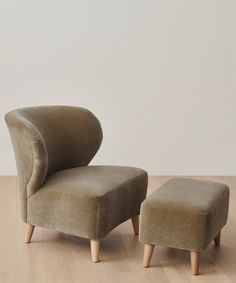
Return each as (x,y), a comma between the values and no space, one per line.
(54,257)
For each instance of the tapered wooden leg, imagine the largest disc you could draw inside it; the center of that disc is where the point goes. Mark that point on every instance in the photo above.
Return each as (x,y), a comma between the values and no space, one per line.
(95,245)
(148,251)
(29,233)
(217,240)
(195,256)
(135,223)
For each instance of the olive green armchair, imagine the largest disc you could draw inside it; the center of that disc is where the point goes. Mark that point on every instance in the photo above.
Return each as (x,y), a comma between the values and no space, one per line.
(53,146)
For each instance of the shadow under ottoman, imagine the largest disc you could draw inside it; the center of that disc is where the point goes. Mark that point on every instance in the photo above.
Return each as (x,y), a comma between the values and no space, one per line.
(186,214)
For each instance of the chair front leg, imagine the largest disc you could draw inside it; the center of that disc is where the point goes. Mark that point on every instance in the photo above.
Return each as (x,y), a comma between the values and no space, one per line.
(29,233)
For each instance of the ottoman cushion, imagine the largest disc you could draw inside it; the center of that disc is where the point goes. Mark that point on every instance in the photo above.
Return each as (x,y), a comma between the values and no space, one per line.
(184,213)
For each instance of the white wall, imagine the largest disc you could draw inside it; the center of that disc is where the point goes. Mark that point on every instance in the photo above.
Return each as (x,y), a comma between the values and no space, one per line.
(160,75)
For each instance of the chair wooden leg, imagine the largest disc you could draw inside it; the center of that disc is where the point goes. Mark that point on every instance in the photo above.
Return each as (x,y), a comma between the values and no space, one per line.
(195,257)
(217,240)
(95,245)
(135,223)
(148,251)
(29,233)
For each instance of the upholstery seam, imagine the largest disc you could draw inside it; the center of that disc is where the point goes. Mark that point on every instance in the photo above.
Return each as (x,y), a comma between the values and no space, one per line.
(18,128)
(212,208)
(98,217)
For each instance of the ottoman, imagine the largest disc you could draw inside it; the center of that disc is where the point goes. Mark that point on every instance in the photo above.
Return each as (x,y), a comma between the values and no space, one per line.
(186,214)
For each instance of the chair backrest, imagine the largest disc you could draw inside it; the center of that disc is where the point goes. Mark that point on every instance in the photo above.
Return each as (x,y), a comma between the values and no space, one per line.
(47,139)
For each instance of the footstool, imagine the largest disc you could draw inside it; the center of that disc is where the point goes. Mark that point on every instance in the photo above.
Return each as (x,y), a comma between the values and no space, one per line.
(186,214)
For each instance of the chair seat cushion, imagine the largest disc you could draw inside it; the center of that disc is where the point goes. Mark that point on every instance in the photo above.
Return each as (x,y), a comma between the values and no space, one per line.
(88,201)
(184,213)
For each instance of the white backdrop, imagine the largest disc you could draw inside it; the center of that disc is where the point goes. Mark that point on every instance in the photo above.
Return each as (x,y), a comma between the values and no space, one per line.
(160,76)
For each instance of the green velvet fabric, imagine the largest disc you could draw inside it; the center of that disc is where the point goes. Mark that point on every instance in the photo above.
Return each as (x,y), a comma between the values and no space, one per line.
(53,146)
(184,213)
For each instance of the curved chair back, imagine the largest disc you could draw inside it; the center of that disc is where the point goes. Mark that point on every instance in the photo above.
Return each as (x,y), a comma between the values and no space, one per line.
(47,139)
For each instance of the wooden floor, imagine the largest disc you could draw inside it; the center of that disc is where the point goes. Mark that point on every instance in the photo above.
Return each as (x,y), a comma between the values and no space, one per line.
(54,257)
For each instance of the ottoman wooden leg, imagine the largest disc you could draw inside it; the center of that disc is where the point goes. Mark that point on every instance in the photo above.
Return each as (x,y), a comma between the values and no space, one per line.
(95,245)
(135,223)
(148,251)
(217,240)
(195,256)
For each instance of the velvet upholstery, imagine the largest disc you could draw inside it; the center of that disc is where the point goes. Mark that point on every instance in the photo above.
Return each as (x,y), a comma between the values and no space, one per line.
(53,146)
(184,213)
(88,201)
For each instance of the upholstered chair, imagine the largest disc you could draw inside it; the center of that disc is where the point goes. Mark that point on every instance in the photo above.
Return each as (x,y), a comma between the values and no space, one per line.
(53,146)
